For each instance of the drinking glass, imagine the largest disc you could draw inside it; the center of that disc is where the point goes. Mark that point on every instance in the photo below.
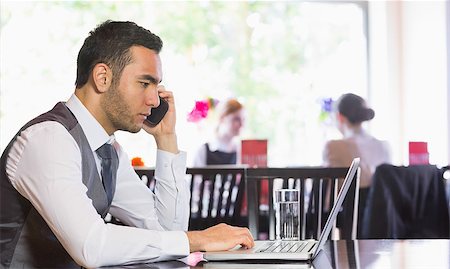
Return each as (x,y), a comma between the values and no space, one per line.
(287,209)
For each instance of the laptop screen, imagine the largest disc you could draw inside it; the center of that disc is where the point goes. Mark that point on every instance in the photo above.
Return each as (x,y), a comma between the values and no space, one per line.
(337,205)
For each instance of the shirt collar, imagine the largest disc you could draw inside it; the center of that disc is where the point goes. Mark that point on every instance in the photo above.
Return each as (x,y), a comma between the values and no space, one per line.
(95,134)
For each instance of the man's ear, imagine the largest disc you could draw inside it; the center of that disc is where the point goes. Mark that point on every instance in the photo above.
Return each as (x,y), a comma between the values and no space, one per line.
(102,76)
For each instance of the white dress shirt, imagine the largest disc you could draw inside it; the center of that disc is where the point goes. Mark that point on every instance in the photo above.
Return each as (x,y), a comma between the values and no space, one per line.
(44,165)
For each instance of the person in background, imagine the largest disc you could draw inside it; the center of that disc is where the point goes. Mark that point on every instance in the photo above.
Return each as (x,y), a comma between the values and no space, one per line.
(64,171)
(224,147)
(351,112)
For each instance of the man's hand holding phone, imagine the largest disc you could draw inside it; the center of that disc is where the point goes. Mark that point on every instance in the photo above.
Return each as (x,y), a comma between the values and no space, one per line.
(157,113)
(164,130)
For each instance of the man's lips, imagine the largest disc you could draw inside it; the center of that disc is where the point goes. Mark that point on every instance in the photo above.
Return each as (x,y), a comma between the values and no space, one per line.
(143,116)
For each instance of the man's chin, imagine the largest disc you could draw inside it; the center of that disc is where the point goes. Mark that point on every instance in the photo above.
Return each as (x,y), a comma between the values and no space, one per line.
(132,129)
(135,130)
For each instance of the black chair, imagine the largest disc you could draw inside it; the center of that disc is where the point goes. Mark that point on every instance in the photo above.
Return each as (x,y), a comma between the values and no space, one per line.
(446,178)
(318,187)
(217,194)
(407,202)
(147,175)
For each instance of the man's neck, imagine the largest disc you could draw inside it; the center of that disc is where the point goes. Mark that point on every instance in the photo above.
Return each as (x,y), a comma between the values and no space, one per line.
(91,101)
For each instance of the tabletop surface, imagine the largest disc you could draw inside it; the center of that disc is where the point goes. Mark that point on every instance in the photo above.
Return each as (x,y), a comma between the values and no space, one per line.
(385,254)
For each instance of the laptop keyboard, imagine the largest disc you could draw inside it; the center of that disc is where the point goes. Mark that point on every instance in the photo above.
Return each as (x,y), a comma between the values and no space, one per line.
(284,247)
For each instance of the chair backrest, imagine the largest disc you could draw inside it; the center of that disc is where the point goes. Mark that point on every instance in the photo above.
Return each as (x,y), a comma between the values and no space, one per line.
(407,202)
(446,177)
(318,187)
(147,176)
(217,194)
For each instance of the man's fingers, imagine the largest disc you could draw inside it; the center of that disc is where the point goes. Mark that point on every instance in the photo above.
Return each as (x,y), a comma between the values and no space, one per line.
(223,237)
(245,237)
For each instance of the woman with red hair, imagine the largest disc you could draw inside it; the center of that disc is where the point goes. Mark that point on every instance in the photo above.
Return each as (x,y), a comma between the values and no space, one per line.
(223,148)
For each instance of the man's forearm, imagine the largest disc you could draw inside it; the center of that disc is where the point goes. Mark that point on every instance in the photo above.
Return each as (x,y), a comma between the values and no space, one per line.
(167,143)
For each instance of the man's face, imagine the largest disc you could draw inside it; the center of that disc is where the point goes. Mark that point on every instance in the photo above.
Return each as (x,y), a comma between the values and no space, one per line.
(128,102)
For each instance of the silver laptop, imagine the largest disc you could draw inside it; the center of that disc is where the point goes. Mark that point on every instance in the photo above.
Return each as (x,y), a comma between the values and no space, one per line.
(302,250)
(321,261)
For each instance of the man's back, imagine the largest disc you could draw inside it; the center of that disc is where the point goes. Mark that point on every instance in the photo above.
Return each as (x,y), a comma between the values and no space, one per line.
(26,239)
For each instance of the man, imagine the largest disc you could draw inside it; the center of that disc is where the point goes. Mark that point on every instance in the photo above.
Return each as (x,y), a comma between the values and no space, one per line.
(64,171)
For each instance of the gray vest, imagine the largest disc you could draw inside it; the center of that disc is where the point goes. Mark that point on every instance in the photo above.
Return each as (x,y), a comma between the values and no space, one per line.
(26,241)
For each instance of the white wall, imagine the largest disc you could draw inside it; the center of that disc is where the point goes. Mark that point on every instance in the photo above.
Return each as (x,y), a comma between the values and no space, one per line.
(409,76)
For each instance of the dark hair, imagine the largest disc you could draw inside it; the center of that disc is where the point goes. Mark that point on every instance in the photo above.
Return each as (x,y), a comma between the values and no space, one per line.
(110,43)
(354,108)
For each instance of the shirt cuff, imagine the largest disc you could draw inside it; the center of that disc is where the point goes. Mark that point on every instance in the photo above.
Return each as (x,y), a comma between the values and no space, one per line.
(175,243)
(169,164)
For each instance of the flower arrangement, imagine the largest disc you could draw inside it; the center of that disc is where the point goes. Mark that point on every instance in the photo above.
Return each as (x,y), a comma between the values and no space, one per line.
(201,109)
(137,161)
(326,109)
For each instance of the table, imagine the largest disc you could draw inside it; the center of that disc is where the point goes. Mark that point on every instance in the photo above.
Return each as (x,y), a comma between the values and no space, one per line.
(342,254)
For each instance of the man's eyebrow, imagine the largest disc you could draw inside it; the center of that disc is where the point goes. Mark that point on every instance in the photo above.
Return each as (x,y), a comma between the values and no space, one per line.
(149,78)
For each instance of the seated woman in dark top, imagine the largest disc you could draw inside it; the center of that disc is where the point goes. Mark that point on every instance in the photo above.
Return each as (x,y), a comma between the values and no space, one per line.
(224,147)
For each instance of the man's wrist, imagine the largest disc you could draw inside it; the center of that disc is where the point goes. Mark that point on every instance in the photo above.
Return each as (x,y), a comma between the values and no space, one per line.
(194,239)
(167,143)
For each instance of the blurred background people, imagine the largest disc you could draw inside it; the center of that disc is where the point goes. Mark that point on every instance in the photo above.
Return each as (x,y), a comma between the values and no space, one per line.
(224,146)
(351,112)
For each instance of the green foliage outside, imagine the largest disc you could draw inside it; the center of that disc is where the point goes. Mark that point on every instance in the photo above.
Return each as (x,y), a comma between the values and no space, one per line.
(266,53)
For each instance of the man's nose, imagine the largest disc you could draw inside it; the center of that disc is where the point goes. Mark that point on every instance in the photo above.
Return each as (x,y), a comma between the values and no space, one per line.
(152,99)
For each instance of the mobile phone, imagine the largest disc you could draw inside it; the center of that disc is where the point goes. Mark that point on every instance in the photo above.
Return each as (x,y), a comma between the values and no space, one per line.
(157,113)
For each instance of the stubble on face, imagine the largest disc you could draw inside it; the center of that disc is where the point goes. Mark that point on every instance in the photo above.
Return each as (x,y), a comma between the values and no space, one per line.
(118,111)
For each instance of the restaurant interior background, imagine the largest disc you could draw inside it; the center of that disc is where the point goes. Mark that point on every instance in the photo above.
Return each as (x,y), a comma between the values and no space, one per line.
(283,60)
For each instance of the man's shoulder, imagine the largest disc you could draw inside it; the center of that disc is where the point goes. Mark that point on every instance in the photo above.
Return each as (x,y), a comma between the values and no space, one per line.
(45,126)
(43,142)
(45,131)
